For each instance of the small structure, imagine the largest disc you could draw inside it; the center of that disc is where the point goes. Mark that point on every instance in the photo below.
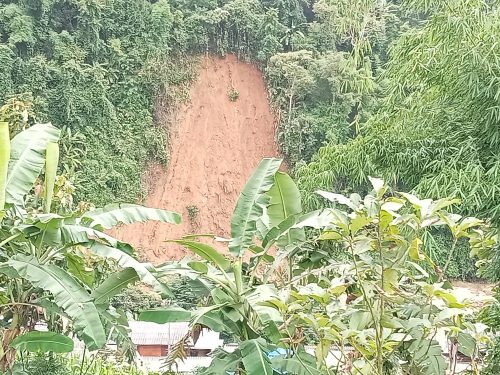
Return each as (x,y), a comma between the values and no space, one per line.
(156,340)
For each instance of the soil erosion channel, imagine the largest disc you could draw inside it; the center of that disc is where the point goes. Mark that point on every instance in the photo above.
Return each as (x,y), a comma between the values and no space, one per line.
(215,146)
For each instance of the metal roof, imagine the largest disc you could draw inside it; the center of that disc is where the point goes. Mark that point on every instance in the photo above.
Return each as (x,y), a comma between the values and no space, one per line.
(146,333)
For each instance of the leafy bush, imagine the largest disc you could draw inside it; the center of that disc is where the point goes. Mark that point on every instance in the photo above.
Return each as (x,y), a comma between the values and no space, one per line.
(136,298)
(43,364)
(492,360)
(53,364)
(233,94)
(378,307)
(439,245)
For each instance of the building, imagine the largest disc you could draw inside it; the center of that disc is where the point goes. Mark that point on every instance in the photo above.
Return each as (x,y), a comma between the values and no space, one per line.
(155,340)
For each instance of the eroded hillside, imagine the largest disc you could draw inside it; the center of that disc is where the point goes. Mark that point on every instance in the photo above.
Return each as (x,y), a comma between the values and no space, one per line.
(216,144)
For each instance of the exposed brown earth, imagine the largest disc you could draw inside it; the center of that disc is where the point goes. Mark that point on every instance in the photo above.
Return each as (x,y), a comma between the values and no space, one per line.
(216,144)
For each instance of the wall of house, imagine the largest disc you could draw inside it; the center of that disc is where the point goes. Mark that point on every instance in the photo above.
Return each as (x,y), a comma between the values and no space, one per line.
(152,350)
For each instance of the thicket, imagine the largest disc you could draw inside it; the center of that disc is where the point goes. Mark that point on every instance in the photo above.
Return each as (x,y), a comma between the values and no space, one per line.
(379,302)
(407,90)
(96,67)
(436,131)
(376,311)
(93,67)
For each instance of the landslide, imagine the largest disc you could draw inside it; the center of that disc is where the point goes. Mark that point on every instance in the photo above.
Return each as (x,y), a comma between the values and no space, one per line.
(215,144)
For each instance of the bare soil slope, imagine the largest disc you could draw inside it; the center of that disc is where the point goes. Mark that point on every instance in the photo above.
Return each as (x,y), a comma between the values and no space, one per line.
(216,144)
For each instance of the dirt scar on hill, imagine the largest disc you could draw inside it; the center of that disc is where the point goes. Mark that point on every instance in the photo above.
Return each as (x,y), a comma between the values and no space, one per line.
(215,146)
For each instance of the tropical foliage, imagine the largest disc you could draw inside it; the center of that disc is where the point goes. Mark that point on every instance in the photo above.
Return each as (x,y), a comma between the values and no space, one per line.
(376,312)
(92,66)
(405,90)
(437,131)
(60,266)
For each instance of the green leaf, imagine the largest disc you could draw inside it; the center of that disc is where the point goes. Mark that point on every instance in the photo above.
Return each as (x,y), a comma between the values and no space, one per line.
(391,278)
(414,251)
(248,209)
(144,270)
(448,298)
(78,268)
(337,198)
(428,356)
(466,344)
(198,266)
(306,365)
(114,214)
(115,283)
(27,160)
(378,186)
(80,235)
(4,162)
(44,342)
(283,228)
(206,252)
(216,321)
(359,320)
(166,315)
(284,199)
(255,359)
(68,294)
(223,362)
(51,163)
(284,202)
(359,221)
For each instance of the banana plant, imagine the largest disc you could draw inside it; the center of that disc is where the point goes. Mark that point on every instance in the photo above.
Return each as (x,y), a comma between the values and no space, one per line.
(261,228)
(60,265)
(377,311)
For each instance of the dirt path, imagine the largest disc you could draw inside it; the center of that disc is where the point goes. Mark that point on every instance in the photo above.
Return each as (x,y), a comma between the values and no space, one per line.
(216,145)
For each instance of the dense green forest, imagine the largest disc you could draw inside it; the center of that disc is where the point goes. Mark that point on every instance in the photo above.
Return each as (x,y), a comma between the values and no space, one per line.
(373,97)
(95,67)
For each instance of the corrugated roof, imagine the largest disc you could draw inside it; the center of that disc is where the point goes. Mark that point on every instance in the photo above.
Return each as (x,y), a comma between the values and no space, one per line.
(146,333)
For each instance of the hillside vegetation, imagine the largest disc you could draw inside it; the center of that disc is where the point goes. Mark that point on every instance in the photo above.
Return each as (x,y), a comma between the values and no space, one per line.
(387,116)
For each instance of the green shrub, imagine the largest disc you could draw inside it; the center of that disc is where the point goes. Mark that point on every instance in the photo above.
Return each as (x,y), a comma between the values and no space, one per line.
(43,364)
(136,298)
(492,360)
(233,94)
(438,245)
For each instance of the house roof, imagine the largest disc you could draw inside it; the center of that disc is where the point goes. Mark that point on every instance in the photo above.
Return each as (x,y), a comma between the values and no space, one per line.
(208,340)
(146,333)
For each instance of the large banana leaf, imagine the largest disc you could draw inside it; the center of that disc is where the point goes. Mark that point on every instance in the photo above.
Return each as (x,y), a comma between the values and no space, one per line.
(113,285)
(79,234)
(166,315)
(301,364)
(4,161)
(27,159)
(36,341)
(248,208)
(284,199)
(125,260)
(223,363)
(67,293)
(114,214)
(64,232)
(206,252)
(255,359)
(284,202)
